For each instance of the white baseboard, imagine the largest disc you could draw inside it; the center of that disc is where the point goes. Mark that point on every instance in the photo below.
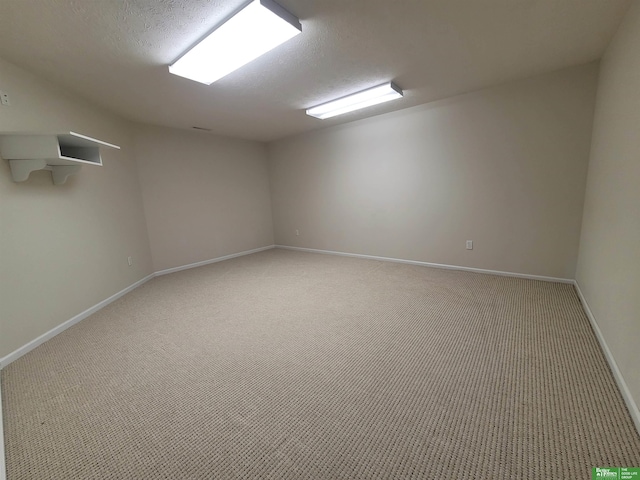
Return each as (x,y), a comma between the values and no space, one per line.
(213,260)
(4,361)
(3,466)
(624,389)
(434,265)
(617,374)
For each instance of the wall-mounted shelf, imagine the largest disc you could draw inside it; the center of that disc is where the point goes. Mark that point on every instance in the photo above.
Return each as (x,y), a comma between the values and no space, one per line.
(63,154)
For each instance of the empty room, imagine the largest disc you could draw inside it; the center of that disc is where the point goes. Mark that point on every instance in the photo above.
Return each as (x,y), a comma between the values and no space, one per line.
(298,239)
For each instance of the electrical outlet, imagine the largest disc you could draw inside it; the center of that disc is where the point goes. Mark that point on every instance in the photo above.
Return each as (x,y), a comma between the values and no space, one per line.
(130,261)
(297,232)
(4,98)
(469,244)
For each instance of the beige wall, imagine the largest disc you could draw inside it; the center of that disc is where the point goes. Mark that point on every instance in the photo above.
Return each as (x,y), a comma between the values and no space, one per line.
(64,248)
(609,262)
(504,167)
(204,196)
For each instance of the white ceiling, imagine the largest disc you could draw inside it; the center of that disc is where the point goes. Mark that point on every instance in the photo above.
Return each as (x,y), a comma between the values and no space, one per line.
(115,53)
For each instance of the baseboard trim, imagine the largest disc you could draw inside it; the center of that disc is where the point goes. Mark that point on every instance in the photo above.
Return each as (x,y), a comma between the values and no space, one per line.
(4,361)
(434,265)
(213,260)
(617,374)
(3,465)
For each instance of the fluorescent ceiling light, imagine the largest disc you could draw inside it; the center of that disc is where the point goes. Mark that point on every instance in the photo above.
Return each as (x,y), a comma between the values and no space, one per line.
(259,27)
(366,98)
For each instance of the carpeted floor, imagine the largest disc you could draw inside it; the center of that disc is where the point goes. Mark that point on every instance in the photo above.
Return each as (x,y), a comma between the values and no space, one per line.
(290,365)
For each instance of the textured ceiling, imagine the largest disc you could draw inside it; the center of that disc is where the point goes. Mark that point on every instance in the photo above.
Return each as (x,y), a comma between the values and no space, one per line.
(115,53)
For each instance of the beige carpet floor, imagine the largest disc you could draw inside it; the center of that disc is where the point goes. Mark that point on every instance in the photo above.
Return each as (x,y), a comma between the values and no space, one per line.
(290,365)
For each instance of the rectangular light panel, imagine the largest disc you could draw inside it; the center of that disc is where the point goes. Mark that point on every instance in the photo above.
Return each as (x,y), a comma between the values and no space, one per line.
(259,27)
(366,98)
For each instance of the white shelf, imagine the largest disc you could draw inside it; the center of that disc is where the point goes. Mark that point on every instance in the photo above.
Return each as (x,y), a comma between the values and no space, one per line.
(62,153)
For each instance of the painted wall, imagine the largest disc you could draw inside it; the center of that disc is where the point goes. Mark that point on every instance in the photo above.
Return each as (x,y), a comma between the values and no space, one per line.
(505,167)
(204,196)
(64,248)
(609,262)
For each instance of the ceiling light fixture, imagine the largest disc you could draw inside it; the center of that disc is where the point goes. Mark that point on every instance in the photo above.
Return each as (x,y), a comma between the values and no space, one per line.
(365,98)
(259,27)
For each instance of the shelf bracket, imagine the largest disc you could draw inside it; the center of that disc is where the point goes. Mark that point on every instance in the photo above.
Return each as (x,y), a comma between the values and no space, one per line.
(61,172)
(21,169)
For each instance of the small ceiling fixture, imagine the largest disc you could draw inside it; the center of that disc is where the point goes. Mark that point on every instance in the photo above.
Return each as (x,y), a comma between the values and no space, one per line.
(365,98)
(257,28)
